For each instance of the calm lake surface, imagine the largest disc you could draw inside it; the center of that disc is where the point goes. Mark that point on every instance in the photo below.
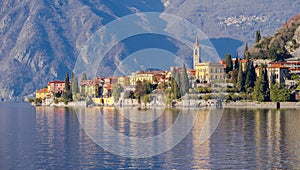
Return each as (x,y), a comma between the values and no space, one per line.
(53,138)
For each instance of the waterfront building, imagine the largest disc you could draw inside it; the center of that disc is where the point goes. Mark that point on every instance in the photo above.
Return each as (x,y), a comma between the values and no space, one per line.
(279,72)
(56,86)
(206,72)
(293,66)
(91,88)
(209,72)
(42,93)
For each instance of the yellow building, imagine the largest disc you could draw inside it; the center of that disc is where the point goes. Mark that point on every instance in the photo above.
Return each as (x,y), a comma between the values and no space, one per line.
(141,76)
(42,93)
(209,72)
(89,88)
(206,72)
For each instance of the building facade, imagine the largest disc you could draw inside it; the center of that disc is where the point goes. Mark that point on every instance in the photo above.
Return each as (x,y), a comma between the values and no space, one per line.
(278,72)
(206,72)
(42,93)
(56,87)
(141,76)
(210,72)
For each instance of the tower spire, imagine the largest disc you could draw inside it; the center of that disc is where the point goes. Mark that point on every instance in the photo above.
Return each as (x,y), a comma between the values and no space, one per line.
(197,42)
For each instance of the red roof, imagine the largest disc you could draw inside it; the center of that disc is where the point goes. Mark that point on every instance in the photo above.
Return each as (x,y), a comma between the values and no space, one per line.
(277,65)
(56,81)
(43,90)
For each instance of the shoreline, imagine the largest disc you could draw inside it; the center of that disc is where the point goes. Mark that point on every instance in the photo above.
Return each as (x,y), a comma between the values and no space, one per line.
(234,105)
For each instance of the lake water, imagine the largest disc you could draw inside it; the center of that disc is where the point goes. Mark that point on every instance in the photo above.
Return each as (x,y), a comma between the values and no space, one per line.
(53,138)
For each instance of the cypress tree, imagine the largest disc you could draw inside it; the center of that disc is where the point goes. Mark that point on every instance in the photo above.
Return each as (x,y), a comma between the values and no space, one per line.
(177,77)
(240,80)
(83,77)
(257,36)
(72,75)
(184,81)
(175,90)
(75,88)
(246,52)
(67,82)
(67,94)
(229,64)
(261,90)
(236,63)
(250,76)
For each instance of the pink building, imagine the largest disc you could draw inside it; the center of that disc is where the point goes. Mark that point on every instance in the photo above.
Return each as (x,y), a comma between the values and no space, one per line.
(56,86)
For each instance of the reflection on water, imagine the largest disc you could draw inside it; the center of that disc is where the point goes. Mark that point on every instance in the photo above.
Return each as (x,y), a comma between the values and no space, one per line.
(35,138)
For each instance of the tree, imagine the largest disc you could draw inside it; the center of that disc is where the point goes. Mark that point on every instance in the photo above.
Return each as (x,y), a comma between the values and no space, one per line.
(257,36)
(272,52)
(250,76)
(147,87)
(176,76)
(67,82)
(184,81)
(67,94)
(72,75)
(234,75)
(75,88)
(146,99)
(83,77)
(175,90)
(261,90)
(279,94)
(240,80)
(117,90)
(138,91)
(246,52)
(236,63)
(229,64)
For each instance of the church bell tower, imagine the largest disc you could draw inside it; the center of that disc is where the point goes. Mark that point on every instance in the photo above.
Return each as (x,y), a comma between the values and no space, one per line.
(196,54)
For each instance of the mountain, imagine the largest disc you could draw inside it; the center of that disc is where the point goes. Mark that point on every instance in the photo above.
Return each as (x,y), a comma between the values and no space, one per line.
(41,39)
(282,45)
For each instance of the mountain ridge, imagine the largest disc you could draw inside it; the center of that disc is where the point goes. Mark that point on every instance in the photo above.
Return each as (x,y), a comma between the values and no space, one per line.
(40,39)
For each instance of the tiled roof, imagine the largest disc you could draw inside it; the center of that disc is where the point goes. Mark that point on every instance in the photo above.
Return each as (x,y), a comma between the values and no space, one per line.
(56,81)
(277,65)
(43,90)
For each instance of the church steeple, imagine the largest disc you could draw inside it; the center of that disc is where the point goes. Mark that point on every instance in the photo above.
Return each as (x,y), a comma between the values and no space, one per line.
(197,42)
(196,53)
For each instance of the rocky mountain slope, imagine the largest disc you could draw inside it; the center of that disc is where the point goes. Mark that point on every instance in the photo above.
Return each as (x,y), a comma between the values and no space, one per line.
(282,45)
(40,39)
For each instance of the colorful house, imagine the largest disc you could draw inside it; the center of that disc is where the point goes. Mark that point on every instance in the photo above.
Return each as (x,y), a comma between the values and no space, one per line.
(56,86)
(42,93)
(91,88)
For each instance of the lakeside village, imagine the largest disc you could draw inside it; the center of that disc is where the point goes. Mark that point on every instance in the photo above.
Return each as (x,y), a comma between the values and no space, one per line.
(255,81)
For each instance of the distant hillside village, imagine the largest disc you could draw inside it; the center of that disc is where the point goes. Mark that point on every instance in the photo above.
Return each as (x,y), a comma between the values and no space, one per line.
(230,80)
